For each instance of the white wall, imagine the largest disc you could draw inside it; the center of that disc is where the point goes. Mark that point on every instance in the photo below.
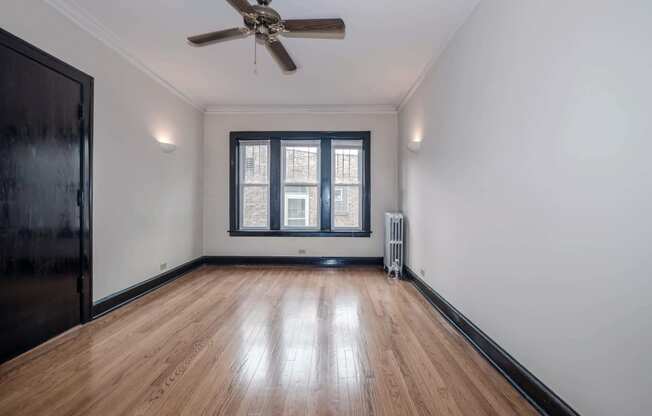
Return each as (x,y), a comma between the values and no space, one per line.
(384,161)
(147,205)
(530,201)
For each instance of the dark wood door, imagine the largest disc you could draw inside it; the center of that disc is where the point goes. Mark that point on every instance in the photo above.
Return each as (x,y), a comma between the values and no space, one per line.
(40,220)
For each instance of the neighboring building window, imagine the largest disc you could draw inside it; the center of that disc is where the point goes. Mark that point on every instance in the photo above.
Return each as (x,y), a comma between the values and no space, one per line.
(254,185)
(250,165)
(297,206)
(340,202)
(300,183)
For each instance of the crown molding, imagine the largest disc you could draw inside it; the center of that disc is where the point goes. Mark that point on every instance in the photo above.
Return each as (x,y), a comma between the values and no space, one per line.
(431,64)
(301,109)
(91,25)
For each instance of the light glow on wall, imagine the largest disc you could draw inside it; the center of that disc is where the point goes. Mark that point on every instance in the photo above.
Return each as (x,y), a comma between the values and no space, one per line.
(165,142)
(414,144)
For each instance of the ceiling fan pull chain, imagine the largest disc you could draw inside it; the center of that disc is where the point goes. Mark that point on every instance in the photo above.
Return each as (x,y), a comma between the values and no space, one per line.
(255,50)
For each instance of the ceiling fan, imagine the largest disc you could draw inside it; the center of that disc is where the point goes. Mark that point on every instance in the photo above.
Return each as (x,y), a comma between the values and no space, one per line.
(267,25)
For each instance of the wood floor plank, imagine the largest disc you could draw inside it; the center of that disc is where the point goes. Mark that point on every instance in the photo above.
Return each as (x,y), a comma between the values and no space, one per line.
(263,340)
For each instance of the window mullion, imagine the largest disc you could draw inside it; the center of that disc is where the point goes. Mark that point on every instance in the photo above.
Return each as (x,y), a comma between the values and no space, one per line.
(275,187)
(326,184)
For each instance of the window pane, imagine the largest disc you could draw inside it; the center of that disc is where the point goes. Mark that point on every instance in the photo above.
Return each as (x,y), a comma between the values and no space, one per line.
(254,206)
(255,163)
(301,206)
(347,207)
(347,165)
(301,163)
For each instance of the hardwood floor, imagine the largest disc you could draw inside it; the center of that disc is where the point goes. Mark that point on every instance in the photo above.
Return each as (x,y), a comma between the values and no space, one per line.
(262,341)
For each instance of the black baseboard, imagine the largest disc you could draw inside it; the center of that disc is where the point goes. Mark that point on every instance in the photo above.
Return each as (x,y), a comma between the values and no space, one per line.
(295,261)
(132,293)
(537,393)
(112,302)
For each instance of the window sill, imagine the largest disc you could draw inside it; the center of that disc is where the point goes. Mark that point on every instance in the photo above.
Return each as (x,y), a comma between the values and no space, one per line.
(284,233)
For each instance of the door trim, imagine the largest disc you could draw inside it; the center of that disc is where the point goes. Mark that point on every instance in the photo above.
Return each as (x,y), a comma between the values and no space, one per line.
(86,158)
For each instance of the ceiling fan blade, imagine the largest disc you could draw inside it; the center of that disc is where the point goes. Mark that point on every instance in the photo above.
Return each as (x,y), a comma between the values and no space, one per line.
(315,25)
(221,35)
(279,52)
(242,6)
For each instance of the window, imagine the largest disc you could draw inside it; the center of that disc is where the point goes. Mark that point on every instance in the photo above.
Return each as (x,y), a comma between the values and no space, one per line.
(347,184)
(300,184)
(254,185)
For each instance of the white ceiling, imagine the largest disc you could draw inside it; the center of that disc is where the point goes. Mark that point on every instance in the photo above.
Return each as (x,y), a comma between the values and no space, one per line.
(387,46)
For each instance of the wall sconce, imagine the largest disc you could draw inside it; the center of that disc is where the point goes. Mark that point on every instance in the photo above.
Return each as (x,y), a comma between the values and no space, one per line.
(166,145)
(414,145)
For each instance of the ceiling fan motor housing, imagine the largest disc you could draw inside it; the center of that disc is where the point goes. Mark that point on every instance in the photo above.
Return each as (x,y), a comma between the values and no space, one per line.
(265,16)
(264,2)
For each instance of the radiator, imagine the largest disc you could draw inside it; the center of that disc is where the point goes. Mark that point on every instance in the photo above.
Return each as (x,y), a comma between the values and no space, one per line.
(394,243)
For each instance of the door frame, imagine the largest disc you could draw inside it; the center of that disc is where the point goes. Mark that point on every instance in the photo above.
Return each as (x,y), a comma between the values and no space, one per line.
(86,159)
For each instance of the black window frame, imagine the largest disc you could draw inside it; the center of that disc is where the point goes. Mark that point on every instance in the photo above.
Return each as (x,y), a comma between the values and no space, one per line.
(275,138)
